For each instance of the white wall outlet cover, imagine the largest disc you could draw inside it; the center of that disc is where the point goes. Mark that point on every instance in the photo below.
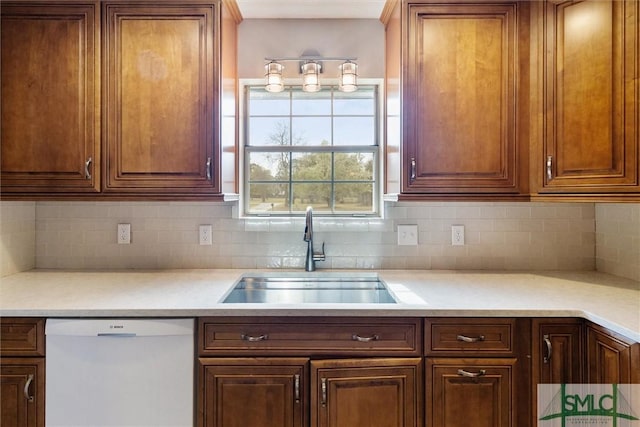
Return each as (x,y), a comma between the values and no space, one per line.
(457,235)
(407,235)
(124,234)
(205,235)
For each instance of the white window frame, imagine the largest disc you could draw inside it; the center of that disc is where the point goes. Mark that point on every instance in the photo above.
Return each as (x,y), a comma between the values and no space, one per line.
(378,149)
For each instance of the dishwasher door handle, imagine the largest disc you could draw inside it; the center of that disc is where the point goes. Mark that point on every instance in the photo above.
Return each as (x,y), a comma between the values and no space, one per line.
(117,334)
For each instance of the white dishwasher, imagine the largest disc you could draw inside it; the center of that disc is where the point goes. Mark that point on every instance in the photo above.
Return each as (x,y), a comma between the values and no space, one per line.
(119,372)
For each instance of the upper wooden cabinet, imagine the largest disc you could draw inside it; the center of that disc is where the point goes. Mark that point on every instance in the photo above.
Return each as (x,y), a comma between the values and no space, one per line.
(464,89)
(50,97)
(160,97)
(160,109)
(591,98)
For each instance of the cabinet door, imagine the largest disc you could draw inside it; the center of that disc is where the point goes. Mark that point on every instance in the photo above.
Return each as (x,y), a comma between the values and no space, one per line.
(22,392)
(258,392)
(162,122)
(50,98)
(611,359)
(557,351)
(461,98)
(470,392)
(592,99)
(366,393)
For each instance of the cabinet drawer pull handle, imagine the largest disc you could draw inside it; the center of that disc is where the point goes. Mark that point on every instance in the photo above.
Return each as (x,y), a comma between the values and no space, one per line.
(26,388)
(296,387)
(254,339)
(549,168)
(412,173)
(464,338)
(356,337)
(547,342)
(208,168)
(468,374)
(87,174)
(323,387)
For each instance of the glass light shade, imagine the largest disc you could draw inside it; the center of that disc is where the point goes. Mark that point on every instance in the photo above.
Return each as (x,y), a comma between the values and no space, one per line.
(311,76)
(348,77)
(273,75)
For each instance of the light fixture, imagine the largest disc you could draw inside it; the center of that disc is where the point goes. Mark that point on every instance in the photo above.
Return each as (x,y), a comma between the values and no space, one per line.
(273,75)
(348,77)
(311,76)
(310,68)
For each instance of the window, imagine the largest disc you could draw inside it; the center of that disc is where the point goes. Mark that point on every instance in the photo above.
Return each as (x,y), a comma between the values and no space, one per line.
(311,149)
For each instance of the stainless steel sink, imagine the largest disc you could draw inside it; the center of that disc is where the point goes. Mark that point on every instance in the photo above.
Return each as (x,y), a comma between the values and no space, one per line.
(300,289)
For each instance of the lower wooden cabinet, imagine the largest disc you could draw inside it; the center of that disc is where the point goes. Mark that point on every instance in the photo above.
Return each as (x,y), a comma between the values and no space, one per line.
(257,392)
(366,393)
(611,359)
(280,392)
(558,354)
(471,392)
(22,369)
(22,391)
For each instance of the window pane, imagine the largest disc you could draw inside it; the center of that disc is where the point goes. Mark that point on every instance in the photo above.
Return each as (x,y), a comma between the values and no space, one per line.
(317,195)
(268,131)
(311,130)
(354,197)
(311,167)
(311,104)
(263,103)
(268,198)
(359,103)
(353,166)
(354,131)
(265,165)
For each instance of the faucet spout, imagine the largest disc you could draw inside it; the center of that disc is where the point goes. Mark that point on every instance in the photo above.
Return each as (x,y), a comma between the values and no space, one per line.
(311,257)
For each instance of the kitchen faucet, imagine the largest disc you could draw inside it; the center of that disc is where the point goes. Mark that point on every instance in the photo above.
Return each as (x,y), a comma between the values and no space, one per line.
(311,258)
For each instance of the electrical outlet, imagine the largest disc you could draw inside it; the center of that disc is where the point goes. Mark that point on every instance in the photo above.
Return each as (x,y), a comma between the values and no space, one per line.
(205,235)
(124,234)
(407,235)
(457,235)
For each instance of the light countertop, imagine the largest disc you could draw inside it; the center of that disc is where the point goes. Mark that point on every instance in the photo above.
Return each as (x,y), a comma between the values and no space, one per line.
(607,300)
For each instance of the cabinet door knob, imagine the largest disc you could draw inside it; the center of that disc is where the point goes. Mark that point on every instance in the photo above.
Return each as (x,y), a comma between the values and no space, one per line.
(87,173)
(26,388)
(464,338)
(468,374)
(323,387)
(547,356)
(296,387)
(549,168)
(356,337)
(208,167)
(412,172)
(250,338)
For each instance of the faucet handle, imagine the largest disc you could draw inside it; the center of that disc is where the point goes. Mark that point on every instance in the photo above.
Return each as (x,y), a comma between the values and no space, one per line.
(319,256)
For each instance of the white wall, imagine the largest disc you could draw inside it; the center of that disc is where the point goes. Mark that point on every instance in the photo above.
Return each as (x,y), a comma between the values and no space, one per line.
(17,237)
(618,239)
(260,38)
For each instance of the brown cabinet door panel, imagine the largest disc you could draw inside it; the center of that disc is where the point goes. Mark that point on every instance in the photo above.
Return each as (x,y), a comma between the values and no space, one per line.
(366,392)
(161,116)
(470,392)
(256,392)
(22,392)
(50,98)
(591,89)
(610,359)
(461,99)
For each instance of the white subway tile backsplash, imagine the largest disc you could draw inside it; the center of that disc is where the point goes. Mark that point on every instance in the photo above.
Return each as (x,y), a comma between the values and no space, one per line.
(512,236)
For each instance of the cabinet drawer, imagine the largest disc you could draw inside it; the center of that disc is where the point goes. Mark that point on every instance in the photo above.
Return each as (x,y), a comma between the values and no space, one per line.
(468,336)
(21,336)
(310,336)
